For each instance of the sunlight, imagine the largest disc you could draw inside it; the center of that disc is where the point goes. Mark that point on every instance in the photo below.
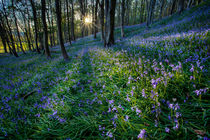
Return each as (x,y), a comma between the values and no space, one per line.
(88,20)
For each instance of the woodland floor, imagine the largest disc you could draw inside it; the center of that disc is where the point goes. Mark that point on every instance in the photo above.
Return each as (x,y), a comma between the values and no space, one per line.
(153,84)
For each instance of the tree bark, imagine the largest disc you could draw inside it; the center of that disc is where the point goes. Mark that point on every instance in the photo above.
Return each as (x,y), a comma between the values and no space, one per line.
(150,12)
(102,19)
(110,20)
(72,20)
(173,6)
(122,17)
(35,25)
(46,46)
(96,18)
(60,35)
(68,21)
(9,31)
(2,35)
(161,8)
(181,6)
(49,23)
(17,28)
(29,29)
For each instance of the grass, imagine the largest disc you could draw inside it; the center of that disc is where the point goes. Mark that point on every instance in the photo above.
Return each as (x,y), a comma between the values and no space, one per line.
(153,84)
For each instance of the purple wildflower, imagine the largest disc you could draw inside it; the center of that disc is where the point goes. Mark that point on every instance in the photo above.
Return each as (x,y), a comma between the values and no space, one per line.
(167,130)
(142,133)
(109,134)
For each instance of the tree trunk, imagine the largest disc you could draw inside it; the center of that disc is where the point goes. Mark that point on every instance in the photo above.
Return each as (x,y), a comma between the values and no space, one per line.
(181,6)
(161,8)
(9,32)
(173,6)
(96,18)
(46,47)
(102,19)
(110,20)
(92,4)
(72,20)
(68,21)
(60,35)
(17,28)
(150,12)
(122,17)
(82,11)
(35,25)
(142,11)
(26,32)
(49,23)
(2,35)
(29,29)
(135,10)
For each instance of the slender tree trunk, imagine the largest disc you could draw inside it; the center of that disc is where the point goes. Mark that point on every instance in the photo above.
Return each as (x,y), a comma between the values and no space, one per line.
(142,11)
(161,8)
(46,47)
(118,6)
(29,29)
(60,35)
(181,6)
(72,20)
(127,12)
(150,12)
(135,10)
(68,21)
(122,17)
(110,16)
(82,11)
(173,6)
(10,34)
(17,28)
(2,35)
(35,25)
(26,32)
(102,19)
(92,6)
(96,18)
(49,24)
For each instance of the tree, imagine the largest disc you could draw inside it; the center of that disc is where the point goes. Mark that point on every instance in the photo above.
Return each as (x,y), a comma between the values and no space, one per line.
(122,17)
(60,35)
(72,20)
(173,6)
(101,4)
(46,46)
(95,18)
(181,6)
(7,25)
(35,24)
(68,21)
(110,21)
(3,39)
(17,29)
(161,8)
(150,11)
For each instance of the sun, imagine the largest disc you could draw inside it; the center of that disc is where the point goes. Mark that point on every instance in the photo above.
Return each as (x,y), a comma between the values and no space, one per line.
(88,20)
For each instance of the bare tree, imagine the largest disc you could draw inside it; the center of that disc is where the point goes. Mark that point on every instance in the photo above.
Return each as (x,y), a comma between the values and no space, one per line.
(68,21)
(150,9)
(95,18)
(110,21)
(35,24)
(122,17)
(60,35)
(46,46)
(101,4)
(72,20)
(17,28)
